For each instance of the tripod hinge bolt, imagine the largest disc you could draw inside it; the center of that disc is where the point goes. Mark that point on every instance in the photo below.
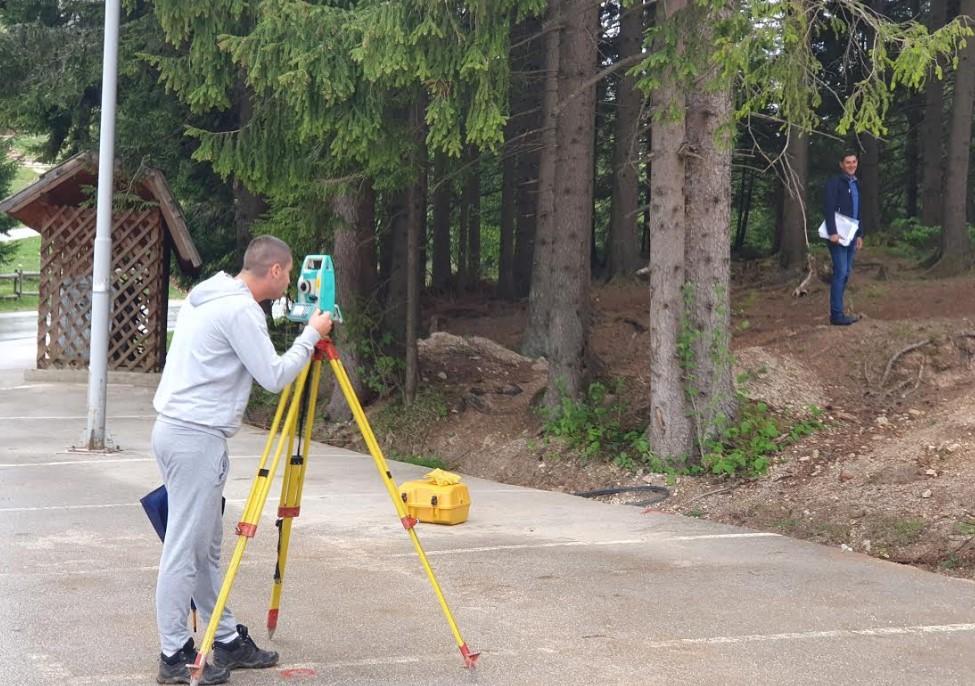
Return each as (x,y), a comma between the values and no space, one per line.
(245,529)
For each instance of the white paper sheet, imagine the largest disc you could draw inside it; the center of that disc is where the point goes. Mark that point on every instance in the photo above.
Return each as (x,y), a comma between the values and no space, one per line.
(845,227)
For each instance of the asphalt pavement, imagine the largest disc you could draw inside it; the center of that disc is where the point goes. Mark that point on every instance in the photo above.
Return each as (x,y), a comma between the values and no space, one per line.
(551,588)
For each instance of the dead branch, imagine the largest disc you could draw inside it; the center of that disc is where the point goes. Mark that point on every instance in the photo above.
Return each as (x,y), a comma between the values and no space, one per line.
(709,493)
(803,288)
(920,372)
(897,356)
(866,377)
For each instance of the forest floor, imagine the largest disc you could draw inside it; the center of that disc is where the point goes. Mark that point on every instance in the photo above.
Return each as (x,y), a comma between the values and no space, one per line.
(891,472)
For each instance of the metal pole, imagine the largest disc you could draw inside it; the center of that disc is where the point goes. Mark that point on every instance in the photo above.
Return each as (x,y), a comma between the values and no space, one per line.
(101,285)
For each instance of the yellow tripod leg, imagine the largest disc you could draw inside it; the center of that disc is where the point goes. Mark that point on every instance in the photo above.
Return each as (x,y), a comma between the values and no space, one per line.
(247,526)
(289,506)
(409,523)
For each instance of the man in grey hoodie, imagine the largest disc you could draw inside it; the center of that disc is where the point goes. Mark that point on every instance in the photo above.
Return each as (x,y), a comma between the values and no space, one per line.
(220,345)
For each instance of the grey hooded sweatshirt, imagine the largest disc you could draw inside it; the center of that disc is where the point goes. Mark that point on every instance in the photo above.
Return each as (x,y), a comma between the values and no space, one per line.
(220,345)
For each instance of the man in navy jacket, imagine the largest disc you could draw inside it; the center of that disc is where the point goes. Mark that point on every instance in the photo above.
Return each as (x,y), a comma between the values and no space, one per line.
(843,196)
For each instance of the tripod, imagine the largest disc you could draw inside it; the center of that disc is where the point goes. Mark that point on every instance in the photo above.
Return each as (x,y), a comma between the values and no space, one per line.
(293,418)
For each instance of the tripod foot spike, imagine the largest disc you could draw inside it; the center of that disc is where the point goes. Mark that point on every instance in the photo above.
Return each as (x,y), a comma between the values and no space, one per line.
(272,622)
(470,659)
(196,669)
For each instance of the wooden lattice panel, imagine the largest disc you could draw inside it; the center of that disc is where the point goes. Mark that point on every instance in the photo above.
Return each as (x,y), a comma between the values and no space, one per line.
(138,289)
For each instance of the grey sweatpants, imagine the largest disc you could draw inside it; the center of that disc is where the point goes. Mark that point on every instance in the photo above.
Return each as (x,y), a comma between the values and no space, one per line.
(194,466)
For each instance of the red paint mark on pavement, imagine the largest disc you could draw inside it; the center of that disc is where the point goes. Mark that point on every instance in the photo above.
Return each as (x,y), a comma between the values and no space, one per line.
(298,673)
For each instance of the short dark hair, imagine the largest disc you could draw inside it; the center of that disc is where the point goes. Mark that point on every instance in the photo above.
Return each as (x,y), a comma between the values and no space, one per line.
(850,153)
(264,252)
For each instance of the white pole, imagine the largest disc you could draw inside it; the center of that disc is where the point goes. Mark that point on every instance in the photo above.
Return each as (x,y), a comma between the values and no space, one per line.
(101,286)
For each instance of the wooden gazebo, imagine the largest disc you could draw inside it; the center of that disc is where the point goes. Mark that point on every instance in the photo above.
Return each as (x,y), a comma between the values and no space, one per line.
(146,229)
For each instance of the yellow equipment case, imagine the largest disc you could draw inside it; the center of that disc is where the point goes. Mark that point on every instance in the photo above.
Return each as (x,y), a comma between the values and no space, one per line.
(436,504)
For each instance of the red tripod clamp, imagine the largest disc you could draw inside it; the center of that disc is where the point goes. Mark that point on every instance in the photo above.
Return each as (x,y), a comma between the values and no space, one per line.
(325,349)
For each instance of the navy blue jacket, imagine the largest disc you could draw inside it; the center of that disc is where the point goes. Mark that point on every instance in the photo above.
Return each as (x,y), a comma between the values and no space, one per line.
(839,198)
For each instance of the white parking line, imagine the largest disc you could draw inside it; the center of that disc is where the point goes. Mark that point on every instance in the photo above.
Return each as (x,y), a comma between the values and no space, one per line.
(807,635)
(522,546)
(99,460)
(77,418)
(701,537)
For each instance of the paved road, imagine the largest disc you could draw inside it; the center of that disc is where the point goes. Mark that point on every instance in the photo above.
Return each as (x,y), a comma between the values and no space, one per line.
(554,590)
(18,337)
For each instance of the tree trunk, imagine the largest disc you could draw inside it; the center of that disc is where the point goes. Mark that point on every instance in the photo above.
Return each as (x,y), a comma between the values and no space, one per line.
(932,134)
(707,303)
(464,223)
(670,431)
(565,285)
(441,224)
(416,216)
(912,157)
(624,239)
(506,270)
(354,220)
(248,207)
(792,250)
(778,228)
(472,193)
(956,245)
(535,340)
(394,315)
(526,108)
(366,240)
(869,174)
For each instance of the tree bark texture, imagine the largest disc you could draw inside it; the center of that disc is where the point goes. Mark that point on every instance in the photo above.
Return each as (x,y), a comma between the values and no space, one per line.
(869,174)
(707,241)
(416,212)
(956,245)
(932,134)
(565,282)
(535,340)
(670,431)
(247,206)
(624,238)
(463,229)
(350,282)
(792,249)
(472,200)
(509,210)
(395,243)
(441,224)
(366,240)
(526,110)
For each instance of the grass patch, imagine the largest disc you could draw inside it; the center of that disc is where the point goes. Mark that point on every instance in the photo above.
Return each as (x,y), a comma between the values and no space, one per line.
(24,177)
(397,418)
(27,144)
(406,427)
(430,461)
(27,256)
(889,533)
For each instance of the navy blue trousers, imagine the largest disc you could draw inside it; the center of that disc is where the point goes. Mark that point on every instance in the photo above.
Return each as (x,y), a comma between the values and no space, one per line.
(842,267)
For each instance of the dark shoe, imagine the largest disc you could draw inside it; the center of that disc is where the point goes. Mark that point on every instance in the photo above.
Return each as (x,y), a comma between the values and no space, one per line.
(174,670)
(844,321)
(242,652)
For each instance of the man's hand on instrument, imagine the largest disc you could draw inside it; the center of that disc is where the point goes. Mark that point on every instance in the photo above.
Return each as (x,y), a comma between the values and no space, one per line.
(321,322)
